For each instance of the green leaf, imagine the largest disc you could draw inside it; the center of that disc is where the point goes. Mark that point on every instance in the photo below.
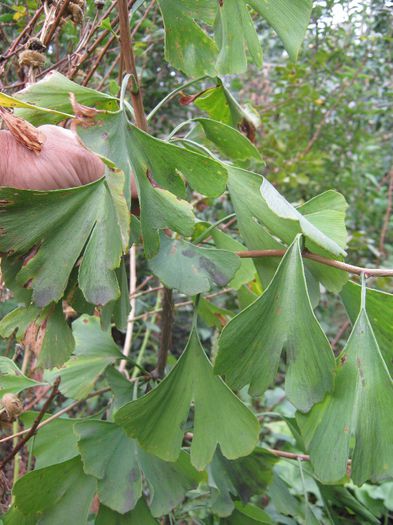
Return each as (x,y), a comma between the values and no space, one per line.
(243,478)
(119,309)
(61,493)
(160,209)
(95,350)
(335,498)
(51,229)
(213,315)
(190,269)
(15,517)
(54,443)
(187,47)
(220,105)
(110,456)
(157,419)
(12,381)
(139,516)
(121,387)
(233,144)
(244,189)
(129,147)
(285,221)
(7,101)
(167,482)
(380,311)
(246,272)
(235,32)
(53,92)
(53,336)
(132,149)
(118,464)
(323,221)
(250,345)
(357,414)
(289,18)
(247,515)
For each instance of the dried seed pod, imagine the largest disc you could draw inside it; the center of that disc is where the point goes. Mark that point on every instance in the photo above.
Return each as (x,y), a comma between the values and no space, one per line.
(12,405)
(44,158)
(31,58)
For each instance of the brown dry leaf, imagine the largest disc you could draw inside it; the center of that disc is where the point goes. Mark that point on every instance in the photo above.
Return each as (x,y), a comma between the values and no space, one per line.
(24,132)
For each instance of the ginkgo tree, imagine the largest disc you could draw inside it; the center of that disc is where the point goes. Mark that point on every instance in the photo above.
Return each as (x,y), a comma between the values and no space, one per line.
(176,435)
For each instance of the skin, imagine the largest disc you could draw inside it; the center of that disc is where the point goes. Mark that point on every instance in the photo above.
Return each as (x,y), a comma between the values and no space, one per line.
(62,163)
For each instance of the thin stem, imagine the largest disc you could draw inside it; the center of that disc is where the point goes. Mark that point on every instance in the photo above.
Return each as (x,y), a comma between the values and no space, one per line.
(146,339)
(172,95)
(178,128)
(32,430)
(55,416)
(130,324)
(206,233)
(339,265)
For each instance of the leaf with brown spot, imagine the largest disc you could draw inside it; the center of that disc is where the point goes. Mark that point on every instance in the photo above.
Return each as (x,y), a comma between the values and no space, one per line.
(357,414)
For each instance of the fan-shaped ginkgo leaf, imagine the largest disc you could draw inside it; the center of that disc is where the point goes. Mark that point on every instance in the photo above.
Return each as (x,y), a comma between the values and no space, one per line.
(251,344)
(157,419)
(357,414)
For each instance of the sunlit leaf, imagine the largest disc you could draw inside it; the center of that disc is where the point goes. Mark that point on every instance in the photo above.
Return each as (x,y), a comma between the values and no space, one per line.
(264,217)
(285,221)
(251,344)
(53,92)
(6,101)
(230,142)
(157,419)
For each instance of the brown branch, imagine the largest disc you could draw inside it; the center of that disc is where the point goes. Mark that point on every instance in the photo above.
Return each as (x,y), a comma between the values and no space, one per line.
(32,430)
(144,316)
(97,62)
(166,332)
(117,59)
(128,59)
(340,333)
(288,455)
(52,28)
(339,265)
